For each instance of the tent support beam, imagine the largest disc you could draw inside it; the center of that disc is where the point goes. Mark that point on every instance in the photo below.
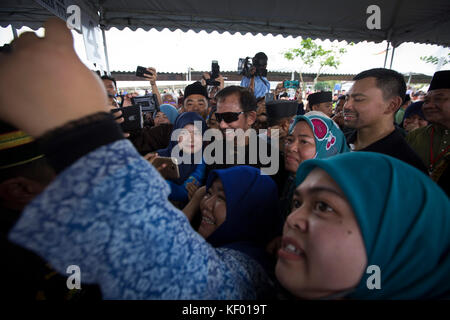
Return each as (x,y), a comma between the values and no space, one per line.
(106,51)
(14,32)
(392,57)
(386,55)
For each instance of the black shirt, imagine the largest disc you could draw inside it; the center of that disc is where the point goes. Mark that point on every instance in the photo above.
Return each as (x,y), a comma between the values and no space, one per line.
(394,145)
(279,177)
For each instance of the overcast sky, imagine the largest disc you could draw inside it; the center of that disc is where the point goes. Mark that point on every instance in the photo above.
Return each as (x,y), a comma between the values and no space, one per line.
(175,51)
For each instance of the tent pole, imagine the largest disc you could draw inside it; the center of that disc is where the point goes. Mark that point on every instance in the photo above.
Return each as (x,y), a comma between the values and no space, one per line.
(392,57)
(386,55)
(106,51)
(14,32)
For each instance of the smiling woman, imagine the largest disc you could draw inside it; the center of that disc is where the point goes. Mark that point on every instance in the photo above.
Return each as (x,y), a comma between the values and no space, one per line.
(238,205)
(341,224)
(107,210)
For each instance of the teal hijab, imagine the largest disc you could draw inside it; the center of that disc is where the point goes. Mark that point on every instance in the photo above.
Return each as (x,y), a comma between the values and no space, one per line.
(404,218)
(330,140)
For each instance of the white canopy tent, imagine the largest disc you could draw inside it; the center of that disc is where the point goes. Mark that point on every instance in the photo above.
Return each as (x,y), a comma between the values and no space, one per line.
(419,21)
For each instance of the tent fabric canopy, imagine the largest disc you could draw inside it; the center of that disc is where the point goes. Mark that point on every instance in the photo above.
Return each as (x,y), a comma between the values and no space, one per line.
(421,21)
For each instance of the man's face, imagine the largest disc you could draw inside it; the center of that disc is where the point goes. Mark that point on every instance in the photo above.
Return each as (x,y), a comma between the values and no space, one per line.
(196,103)
(232,104)
(365,105)
(436,107)
(110,87)
(325,107)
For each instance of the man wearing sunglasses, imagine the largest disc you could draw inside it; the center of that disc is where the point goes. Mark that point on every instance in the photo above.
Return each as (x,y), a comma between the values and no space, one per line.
(236,109)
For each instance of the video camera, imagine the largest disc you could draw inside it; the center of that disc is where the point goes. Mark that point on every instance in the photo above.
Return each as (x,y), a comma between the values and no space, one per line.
(259,61)
(214,74)
(148,103)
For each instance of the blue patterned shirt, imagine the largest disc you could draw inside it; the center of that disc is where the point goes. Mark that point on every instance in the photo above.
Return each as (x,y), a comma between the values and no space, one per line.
(108,213)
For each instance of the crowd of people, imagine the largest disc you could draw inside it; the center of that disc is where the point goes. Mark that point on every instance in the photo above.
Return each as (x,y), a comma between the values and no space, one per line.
(362,184)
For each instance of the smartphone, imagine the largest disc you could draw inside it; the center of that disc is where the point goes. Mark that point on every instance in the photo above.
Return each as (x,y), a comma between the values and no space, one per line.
(140,71)
(132,116)
(171,171)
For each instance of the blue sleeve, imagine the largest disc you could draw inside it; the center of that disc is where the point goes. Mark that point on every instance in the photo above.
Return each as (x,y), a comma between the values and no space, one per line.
(198,176)
(108,214)
(179,192)
(245,82)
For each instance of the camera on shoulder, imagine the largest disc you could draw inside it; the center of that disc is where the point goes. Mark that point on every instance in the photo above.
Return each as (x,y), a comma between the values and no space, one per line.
(259,61)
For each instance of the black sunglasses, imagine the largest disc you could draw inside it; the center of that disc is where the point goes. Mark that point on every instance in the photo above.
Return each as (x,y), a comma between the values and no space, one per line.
(228,117)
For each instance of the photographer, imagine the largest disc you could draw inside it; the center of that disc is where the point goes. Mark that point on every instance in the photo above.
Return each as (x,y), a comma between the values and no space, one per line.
(255,79)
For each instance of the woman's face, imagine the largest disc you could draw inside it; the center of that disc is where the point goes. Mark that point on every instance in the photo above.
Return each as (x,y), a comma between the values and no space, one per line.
(160,118)
(322,251)
(299,146)
(213,208)
(190,139)
(414,122)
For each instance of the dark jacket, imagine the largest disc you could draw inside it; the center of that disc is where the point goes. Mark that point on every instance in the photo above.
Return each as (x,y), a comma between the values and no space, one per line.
(394,145)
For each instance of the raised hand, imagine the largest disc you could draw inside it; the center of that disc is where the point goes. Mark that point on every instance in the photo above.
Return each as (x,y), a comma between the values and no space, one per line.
(44,83)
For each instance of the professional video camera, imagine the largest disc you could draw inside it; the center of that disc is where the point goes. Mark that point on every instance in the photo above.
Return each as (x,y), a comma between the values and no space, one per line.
(214,74)
(259,61)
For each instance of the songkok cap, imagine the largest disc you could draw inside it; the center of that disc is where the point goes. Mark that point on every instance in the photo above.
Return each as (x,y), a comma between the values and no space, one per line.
(280,109)
(195,88)
(440,80)
(319,97)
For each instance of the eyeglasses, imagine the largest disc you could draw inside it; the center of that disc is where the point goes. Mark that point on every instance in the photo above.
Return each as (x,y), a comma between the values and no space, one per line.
(228,117)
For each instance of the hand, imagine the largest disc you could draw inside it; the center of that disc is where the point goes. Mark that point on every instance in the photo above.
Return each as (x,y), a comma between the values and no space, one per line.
(152,77)
(198,195)
(119,119)
(150,157)
(127,99)
(65,90)
(191,188)
(221,80)
(252,71)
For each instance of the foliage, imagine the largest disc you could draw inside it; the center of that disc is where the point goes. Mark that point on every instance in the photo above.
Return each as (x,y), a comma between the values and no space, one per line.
(435,60)
(311,54)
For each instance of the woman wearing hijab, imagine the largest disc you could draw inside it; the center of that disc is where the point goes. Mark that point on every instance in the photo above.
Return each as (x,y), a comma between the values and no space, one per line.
(237,204)
(238,209)
(187,139)
(347,221)
(311,136)
(166,114)
(349,229)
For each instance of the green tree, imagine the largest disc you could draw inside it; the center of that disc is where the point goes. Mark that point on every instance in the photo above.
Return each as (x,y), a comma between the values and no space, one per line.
(435,60)
(311,53)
